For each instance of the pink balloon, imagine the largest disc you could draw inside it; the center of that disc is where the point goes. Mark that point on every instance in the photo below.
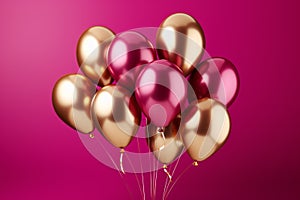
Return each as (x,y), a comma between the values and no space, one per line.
(127,53)
(216,78)
(161,90)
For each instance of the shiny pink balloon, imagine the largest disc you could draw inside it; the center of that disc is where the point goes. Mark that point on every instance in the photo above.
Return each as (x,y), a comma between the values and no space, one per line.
(161,91)
(216,78)
(128,52)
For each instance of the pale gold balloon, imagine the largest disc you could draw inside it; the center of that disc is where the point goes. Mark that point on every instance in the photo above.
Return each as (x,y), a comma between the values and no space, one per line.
(116,115)
(71,98)
(205,128)
(181,40)
(165,143)
(91,52)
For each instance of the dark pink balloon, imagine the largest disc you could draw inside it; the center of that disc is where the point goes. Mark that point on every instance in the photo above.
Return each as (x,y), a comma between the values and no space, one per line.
(161,90)
(216,78)
(128,52)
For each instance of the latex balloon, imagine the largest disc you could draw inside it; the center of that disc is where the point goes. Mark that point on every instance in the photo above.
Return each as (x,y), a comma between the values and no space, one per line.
(161,92)
(91,51)
(181,40)
(128,52)
(71,99)
(165,143)
(116,115)
(216,78)
(205,128)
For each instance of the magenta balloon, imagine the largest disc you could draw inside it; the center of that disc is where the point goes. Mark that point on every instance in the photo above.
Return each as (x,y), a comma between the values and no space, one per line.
(161,91)
(216,78)
(127,53)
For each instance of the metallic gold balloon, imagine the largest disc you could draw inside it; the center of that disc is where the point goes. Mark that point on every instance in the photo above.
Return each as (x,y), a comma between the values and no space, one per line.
(91,52)
(116,115)
(71,98)
(165,143)
(205,128)
(181,40)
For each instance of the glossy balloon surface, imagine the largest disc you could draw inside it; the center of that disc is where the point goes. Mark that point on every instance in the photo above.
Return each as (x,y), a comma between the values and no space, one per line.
(181,40)
(71,99)
(127,54)
(116,115)
(216,78)
(91,51)
(205,128)
(161,90)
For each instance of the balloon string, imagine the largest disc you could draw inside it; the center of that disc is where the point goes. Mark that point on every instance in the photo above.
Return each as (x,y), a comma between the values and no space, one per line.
(165,187)
(107,153)
(135,173)
(182,173)
(150,173)
(115,165)
(121,160)
(144,194)
(155,177)
(166,171)
(151,178)
(162,133)
(151,183)
(159,130)
(167,183)
(172,174)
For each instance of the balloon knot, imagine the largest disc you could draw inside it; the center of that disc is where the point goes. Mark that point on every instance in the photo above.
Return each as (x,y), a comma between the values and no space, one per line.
(166,171)
(195,163)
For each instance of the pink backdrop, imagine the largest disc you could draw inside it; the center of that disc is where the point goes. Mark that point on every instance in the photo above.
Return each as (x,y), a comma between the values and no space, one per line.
(42,158)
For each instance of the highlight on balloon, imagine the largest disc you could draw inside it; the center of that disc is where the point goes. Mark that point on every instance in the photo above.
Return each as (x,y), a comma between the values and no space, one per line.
(145,97)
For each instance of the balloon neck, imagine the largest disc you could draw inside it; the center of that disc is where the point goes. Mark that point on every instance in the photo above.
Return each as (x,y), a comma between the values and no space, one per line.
(122,151)
(160,130)
(195,164)
(166,171)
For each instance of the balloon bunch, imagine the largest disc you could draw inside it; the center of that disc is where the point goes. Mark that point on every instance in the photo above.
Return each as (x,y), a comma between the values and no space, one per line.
(126,77)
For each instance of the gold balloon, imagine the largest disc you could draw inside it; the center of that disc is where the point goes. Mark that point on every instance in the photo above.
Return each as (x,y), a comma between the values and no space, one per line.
(181,40)
(165,143)
(71,98)
(116,115)
(205,128)
(91,51)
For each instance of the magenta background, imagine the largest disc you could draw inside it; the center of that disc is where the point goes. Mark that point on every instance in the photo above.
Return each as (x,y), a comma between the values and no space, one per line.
(42,158)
